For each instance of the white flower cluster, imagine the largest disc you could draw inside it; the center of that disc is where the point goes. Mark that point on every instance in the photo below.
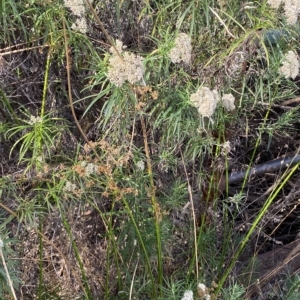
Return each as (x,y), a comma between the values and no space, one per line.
(188,295)
(89,168)
(127,67)
(291,9)
(290,66)
(140,165)
(182,51)
(203,291)
(225,148)
(275,3)
(69,187)
(77,7)
(80,25)
(228,102)
(35,120)
(206,100)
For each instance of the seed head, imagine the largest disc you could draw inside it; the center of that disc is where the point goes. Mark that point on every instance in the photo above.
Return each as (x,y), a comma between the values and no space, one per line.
(228,102)
(127,67)
(275,3)
(35,120)
(69,187)
(140,165)
(290,66)
(291,9)
(182,51)
(188,295)
(77,7)
(205,101)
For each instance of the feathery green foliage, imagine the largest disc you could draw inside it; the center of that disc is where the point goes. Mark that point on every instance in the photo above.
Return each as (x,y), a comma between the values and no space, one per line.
(113,152)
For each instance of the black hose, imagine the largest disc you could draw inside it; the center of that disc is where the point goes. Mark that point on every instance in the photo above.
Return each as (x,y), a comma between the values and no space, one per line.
(268,167)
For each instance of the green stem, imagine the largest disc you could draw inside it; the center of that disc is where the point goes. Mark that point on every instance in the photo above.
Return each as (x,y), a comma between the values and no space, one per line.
(255,223)
(142,245)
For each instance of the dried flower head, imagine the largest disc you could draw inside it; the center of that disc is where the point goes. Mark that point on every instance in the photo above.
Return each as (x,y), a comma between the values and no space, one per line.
(182,51)
(205,101)
(80,25)
(89,168)
(275,3)
(77,7)
(203,291)
(118,49)
(35,120)
(69,187)
(291,9)
(127,67)
(290,66)
(140,165)
(225,148)
(228,102)
(188,295)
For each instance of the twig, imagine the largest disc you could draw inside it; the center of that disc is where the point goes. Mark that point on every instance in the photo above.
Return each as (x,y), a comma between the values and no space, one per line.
(222,22)
(194,217)
(294,100)
(6,271)
(24,49)
(70,90)
(103,29)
